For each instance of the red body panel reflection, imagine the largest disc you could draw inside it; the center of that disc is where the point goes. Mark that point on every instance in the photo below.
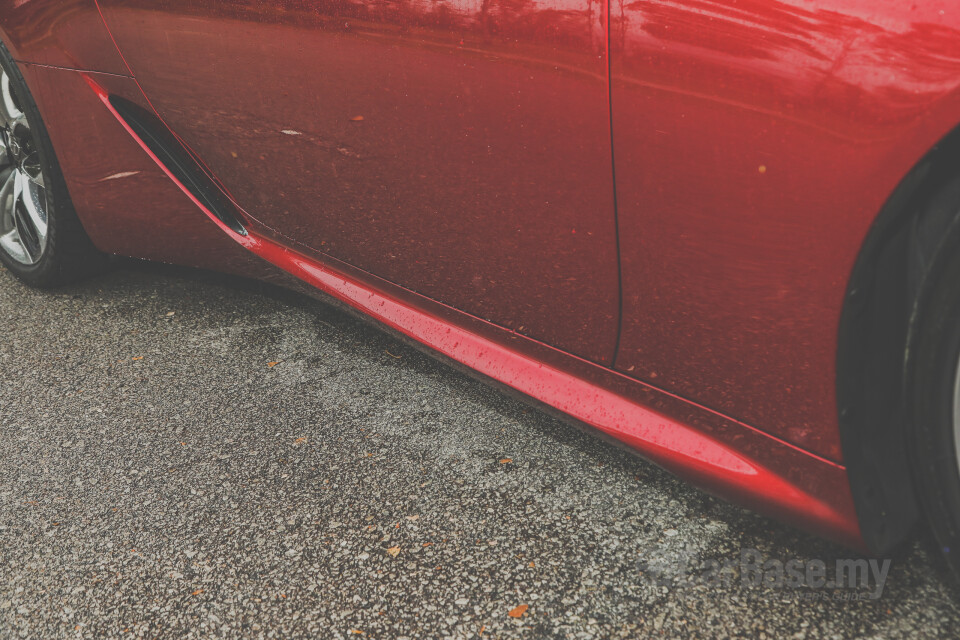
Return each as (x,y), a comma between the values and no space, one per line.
(643,215)
(755,143)
(463,155)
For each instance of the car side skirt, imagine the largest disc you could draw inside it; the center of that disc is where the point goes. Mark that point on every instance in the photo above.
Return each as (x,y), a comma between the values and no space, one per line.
(719,454)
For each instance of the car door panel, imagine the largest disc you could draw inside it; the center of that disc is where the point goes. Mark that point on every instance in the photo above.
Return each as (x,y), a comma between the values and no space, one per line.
(460,151)
(755,143)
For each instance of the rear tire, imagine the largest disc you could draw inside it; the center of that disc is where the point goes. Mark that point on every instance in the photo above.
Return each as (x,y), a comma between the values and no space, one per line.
(41,239)
(934,389)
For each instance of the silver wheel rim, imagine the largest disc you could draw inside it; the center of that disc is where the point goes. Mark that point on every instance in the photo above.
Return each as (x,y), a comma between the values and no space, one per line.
(23,194)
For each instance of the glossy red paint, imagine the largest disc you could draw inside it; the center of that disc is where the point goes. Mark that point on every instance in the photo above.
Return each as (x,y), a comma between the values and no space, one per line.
(471,209)
(126,204)
(755,142)
(726,469)
(462,153)
(60,33)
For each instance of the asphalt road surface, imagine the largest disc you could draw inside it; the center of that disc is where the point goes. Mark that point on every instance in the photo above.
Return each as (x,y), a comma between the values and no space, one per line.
(188,455)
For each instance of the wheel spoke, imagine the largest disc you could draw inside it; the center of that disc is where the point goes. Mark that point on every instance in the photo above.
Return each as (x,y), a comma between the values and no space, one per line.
(30,157)
(32,171)
(9,111)
(7,183)
(33,211)
(23,196)
(10,242)
(9,233)
(5,162)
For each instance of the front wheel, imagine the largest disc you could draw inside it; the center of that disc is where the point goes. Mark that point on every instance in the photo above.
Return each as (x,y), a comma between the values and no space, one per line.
(41,239)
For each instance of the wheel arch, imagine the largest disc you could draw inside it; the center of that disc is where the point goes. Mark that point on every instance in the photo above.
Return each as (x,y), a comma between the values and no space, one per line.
(874,346)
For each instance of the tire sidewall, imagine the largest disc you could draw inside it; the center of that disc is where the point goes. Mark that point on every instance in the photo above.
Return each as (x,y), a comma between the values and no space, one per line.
(931,385)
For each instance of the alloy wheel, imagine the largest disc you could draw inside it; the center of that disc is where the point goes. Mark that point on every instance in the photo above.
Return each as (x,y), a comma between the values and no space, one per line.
(23,195)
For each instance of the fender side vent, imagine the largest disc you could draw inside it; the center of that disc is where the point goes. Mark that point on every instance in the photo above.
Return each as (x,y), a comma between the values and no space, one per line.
(181,164)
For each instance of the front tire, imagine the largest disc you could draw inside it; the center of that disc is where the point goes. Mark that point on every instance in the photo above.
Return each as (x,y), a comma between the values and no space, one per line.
(41,239)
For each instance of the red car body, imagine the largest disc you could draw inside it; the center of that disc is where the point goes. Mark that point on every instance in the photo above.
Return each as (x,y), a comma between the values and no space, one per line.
(656,217)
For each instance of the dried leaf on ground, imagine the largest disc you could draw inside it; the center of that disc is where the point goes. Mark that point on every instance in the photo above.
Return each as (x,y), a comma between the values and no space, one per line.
(516,612)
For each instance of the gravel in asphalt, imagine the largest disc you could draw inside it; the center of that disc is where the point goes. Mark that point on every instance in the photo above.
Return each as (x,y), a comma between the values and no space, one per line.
(187,455)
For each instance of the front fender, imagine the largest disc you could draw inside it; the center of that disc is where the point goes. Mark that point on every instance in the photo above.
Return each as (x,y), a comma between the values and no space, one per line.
(59,33)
